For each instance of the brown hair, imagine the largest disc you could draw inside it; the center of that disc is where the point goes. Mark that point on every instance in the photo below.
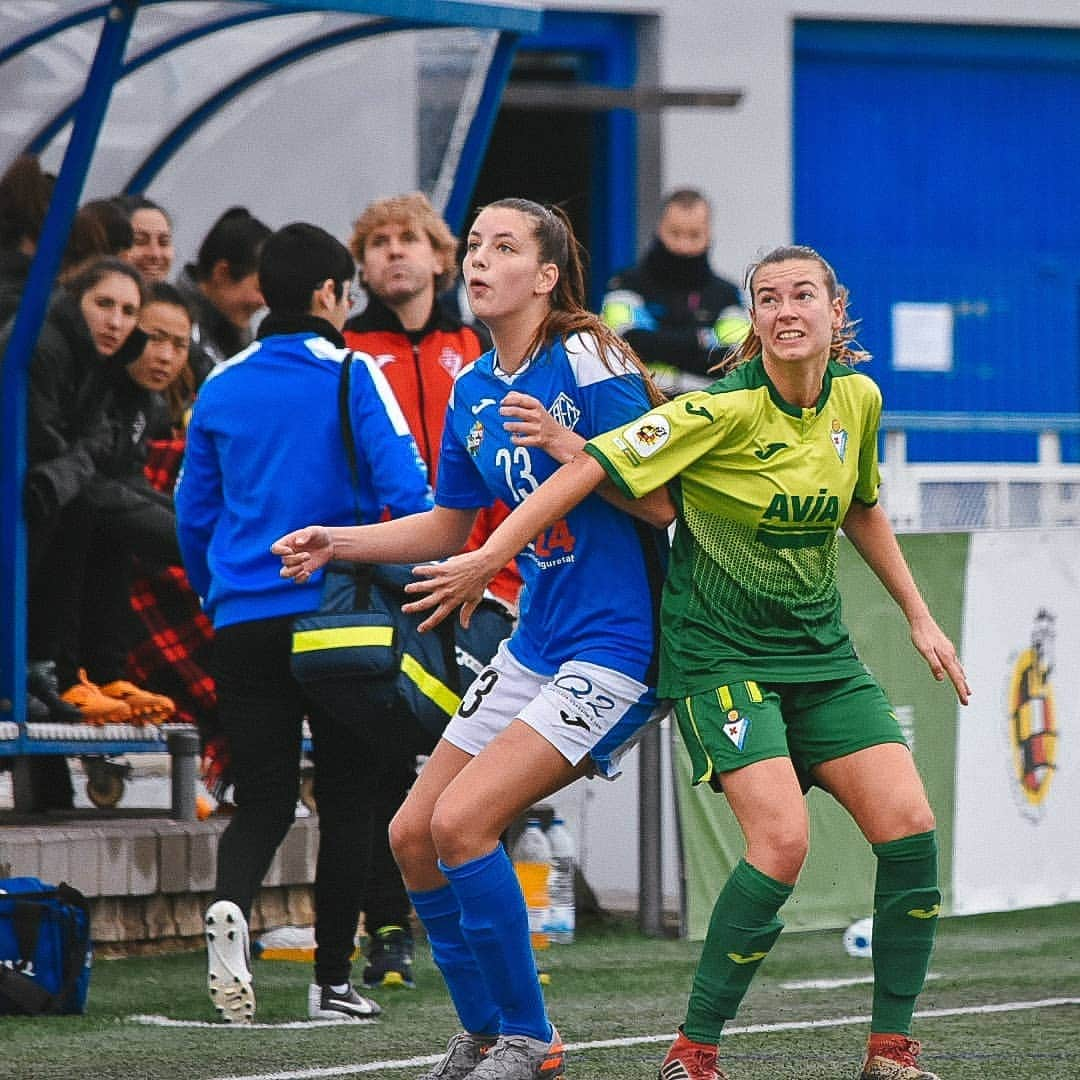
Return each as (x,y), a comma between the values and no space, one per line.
(90,273)
(24,201)
(844,348)
(568,314)
(412,208)
(686,198)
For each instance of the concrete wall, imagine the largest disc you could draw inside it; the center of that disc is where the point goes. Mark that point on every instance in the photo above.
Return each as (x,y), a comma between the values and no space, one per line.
(742,157)
(150,879)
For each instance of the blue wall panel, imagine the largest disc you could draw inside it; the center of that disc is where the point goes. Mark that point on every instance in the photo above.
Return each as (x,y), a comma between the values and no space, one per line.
(940,164)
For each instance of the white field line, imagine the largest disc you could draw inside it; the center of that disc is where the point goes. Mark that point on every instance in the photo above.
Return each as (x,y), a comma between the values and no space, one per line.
(217,1025)
(599,1044)
(833,984)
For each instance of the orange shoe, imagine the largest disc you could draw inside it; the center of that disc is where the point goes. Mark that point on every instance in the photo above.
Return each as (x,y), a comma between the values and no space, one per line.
(146,707)
(689,1060)
(96,708)
(893,1057)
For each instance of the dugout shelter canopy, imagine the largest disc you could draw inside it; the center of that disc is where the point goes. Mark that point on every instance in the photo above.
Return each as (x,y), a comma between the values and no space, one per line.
(320,105)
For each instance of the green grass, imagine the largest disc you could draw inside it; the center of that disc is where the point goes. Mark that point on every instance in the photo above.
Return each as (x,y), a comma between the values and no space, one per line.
(611,984)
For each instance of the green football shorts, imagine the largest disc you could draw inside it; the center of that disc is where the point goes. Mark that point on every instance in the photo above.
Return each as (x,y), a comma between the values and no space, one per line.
(738,724)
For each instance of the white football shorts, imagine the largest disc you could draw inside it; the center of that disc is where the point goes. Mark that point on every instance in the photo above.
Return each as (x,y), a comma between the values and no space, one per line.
(582,709)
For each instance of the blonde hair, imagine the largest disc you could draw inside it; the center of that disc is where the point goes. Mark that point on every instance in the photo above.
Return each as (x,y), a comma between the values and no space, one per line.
(568,314)
(409,209)
(844,348)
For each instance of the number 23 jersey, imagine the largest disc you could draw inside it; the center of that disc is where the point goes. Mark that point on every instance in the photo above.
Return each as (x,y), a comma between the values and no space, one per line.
(593,579)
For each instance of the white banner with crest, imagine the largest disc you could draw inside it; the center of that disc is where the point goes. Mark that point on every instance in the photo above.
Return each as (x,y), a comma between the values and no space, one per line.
(1016,840)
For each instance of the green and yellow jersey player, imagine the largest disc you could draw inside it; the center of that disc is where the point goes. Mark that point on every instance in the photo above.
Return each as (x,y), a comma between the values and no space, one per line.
(766,466)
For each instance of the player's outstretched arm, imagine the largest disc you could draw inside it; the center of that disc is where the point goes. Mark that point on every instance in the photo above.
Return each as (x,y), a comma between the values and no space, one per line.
(461,580)
(868,528)
(530,424)
(433,534)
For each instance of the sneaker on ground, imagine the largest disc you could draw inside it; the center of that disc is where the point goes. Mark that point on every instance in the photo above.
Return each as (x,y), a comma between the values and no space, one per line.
(517,1057)
(146,707)
(390,959)
(463,1053)
(96,708)
(893,1057)
(324,1003)
(228,963)
(689,1060)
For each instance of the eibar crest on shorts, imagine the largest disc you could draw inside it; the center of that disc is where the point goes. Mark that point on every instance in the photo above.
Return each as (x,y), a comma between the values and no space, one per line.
(1033,727)
(736,728)
(839,438)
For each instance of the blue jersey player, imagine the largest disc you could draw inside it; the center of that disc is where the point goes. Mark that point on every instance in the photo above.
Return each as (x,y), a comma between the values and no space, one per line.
(573,686)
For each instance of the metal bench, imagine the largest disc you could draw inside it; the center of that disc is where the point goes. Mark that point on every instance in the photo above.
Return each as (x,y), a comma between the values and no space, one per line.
(22,741)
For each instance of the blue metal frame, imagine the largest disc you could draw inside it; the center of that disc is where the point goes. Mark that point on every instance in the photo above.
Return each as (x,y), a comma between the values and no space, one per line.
(156,160)
(609,42)
(117,21)
(492,16)
(49,130)
(28,320)
(483,121)
(47,31)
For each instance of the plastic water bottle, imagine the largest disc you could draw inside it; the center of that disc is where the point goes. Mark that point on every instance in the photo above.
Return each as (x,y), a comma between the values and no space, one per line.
(531,856)
(561,884)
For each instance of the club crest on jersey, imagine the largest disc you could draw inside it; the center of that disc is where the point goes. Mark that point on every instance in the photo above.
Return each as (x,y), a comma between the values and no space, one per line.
(648,434)
(839,439)
(451,360)
(565,412)
(736,728)
(1033,723)
(474,438)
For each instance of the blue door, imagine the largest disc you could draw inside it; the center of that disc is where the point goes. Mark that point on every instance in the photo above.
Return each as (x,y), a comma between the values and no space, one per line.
(584,161)
(941,165)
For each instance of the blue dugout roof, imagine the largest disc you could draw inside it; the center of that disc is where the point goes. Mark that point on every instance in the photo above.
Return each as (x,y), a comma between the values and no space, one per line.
(60,62)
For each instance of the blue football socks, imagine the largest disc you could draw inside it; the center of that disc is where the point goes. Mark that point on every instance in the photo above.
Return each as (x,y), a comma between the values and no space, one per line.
(495,924)
(438,910)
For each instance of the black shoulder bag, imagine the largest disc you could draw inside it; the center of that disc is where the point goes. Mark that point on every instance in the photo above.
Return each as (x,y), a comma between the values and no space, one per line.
(361,657)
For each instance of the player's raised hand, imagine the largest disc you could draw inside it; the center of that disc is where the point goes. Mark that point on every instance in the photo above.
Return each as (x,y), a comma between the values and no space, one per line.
(530,424)
(303,552)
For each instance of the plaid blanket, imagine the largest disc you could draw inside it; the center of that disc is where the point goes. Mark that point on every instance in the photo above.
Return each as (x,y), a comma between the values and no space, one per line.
(171,655)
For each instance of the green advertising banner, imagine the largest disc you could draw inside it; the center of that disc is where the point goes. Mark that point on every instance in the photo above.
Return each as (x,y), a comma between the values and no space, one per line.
(836,885)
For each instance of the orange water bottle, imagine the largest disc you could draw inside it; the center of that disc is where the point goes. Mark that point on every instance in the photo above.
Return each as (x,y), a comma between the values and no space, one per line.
(531,856)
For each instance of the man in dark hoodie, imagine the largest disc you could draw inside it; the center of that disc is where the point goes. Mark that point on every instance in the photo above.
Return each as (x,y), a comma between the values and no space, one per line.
(678,315)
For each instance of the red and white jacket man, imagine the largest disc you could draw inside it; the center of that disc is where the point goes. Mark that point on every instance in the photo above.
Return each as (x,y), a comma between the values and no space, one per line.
(421,366)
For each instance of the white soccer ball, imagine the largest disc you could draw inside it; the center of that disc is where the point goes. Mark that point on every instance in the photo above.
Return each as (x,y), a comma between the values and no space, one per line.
(858,938)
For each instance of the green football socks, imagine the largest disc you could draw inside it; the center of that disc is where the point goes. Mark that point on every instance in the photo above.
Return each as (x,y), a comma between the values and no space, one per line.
(743,928)
(907,903)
